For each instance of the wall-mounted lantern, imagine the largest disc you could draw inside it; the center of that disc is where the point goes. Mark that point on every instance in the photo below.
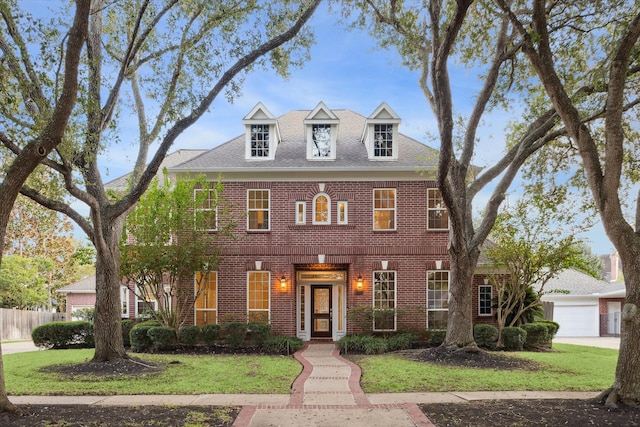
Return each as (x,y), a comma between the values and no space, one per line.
(359,284)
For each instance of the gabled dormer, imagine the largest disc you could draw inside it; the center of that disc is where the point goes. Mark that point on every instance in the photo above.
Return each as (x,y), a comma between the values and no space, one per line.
(261,134)
(380,134)
(321,133)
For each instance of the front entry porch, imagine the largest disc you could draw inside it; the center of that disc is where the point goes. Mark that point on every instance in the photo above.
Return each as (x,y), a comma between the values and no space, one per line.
(321,305)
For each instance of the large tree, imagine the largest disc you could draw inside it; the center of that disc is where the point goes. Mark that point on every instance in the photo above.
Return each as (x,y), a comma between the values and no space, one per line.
(164,62)
(603,37)
(36,125)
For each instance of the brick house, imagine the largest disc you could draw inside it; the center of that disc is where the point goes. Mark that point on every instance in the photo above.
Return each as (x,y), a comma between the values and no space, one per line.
(342,213)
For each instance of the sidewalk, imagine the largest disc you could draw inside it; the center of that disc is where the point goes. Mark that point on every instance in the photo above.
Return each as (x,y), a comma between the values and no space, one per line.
(327,393)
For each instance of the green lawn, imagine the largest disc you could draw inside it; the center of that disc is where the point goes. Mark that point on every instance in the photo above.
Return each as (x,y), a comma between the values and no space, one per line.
(192,375)
(568,367)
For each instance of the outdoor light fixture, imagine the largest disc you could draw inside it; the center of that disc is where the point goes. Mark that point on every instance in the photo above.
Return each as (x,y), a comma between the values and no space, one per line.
(283,282)
(359,283)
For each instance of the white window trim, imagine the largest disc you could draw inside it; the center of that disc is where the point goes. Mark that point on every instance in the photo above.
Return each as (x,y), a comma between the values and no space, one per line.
(195,309)
(479,298)
(247,290)
(268,209)
(309,134)
(313,207)
(395,209)
(205,210)
(124,298)
(302,220)
(427,293)
(140,315)
(429,210)
(395,299)
(346,212)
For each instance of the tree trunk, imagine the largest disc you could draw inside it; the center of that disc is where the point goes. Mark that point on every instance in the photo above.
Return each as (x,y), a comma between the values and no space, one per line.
(107,323)
(460,322)
(626,386)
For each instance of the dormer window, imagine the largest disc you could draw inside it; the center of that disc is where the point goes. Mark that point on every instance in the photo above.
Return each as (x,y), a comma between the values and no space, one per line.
(261,134)
(380,135)
(321,130)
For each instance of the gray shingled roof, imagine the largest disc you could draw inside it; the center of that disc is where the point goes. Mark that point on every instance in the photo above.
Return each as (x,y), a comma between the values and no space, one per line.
(84,286)
(351,153)
(172,159)
(578,283)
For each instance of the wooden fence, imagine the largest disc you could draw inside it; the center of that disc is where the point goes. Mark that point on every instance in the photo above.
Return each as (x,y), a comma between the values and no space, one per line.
(18,324)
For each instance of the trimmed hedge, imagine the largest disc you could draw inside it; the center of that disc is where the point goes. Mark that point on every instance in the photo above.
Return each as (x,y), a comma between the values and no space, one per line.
(77,334)
(362,344)
(210,334)
(162,337)
(189,335)
(552,326)
(234,333)
(259,332)
(140,341)
(401,341)
(282,345)
(127,325)
(486,336)
(513,338)
(435,337)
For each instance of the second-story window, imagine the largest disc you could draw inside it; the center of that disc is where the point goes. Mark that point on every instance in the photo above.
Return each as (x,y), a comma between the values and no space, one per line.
(343,212)
(259,140)
(301,212)
(321,209)
(258,210)
(384,209)
(382,140)
(437,214)
(206,209)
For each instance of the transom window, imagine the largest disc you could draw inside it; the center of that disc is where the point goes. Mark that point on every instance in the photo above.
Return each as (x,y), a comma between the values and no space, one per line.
(437,214)
(206,291)
(437,299)
(485,297)
(321,209)
(258,296)
(259,140)
(384,300)
(383,140)
(258,209)
(206,211)
(321,135)
(384,209)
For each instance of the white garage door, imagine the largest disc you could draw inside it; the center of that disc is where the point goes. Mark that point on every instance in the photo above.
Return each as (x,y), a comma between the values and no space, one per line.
(576,320)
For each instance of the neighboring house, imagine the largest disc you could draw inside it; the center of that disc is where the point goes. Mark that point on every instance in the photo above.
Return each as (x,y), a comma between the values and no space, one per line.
(585,306)
(81,294)
(339,211)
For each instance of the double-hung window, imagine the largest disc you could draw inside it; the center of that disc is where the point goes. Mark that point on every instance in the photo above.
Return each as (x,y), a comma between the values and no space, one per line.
(384,300)
(206,292)
(258,296)
(485,294)
(258,210)
(384,209)
(437,299)
(437,214)
(206,209)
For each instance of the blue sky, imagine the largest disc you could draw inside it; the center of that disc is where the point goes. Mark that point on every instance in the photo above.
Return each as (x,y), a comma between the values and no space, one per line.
(346,71)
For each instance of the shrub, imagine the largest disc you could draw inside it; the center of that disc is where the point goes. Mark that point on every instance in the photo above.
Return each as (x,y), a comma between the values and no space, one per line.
(210,334)
(127,324)
(234,333)
(537,336)
(485,335)
(362,317)
(77,334)
(282,345)
(259,332)
(401,341)
(362,344)
(162,337)
(189,335)
(435,337)
(138,337)
(551,326)
(513,338)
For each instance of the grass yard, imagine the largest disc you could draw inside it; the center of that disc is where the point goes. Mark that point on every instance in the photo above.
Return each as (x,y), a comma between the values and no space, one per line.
(192,374)
(568,367)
